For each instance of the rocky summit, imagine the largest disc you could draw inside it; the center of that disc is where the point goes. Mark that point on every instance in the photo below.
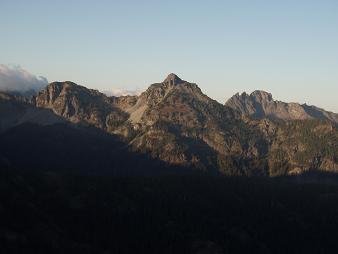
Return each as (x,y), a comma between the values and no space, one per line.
(173,121)
(260,104)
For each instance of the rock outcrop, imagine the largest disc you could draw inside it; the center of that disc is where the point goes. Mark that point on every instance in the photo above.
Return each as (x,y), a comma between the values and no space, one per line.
(260,104)
(80,105)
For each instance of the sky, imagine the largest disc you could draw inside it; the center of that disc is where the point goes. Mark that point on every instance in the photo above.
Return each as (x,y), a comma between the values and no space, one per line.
(288,48)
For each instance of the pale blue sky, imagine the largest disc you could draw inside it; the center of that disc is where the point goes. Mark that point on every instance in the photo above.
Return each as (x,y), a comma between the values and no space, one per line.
(289,48)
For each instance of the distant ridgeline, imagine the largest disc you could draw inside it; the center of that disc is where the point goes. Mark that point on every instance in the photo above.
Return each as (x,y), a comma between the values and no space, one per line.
(170,126)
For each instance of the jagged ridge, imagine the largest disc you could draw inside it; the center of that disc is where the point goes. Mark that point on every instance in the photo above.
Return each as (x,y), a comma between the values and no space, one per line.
(260,104)
(174,121)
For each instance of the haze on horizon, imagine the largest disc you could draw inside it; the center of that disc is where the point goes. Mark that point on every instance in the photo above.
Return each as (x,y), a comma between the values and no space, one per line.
(287,48)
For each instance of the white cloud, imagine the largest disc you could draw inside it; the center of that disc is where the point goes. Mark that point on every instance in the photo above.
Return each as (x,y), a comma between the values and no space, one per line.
(16,79)
(122,92)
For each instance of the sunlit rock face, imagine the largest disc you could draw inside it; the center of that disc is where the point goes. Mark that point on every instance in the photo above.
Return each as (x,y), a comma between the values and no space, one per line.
(260,104)
(80,105)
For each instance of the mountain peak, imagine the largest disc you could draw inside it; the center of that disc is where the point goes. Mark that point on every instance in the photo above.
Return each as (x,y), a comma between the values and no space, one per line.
(172,79)
(262,95)
(260,104)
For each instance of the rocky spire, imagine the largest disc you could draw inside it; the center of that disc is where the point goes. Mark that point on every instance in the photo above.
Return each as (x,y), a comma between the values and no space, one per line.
(262,96)
(172,79)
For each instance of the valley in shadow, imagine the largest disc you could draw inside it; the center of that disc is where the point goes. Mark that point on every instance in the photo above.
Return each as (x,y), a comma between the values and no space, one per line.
(66,213)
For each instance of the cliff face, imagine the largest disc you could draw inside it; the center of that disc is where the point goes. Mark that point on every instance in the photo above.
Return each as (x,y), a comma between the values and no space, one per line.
(175,122)
(80,105)
(260,104)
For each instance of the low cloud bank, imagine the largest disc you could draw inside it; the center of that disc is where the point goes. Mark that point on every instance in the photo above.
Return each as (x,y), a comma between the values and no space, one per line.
(122,92)
(16,79)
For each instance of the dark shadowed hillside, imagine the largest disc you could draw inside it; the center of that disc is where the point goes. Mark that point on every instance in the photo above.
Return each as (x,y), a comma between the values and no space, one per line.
(54,213)
(66,148)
